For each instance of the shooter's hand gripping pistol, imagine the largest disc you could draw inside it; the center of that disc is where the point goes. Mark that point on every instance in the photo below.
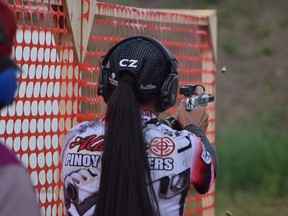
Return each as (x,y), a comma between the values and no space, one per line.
(195,96)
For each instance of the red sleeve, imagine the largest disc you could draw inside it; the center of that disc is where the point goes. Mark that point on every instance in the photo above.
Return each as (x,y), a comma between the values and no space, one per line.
(202,168)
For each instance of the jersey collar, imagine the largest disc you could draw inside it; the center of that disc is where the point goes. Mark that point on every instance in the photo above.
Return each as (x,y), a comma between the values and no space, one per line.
(148,117)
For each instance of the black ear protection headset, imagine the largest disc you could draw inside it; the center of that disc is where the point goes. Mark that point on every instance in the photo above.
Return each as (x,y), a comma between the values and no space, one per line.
(168,92)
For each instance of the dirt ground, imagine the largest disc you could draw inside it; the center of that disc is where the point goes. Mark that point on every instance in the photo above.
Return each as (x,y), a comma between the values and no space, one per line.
(256,77)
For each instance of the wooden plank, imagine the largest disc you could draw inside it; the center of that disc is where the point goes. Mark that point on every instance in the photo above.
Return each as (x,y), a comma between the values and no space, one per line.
(56,2)
(75,23)
(154,15)
(87,22)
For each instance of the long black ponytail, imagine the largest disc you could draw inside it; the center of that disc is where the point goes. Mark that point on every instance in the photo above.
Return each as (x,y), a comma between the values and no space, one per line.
(125,170)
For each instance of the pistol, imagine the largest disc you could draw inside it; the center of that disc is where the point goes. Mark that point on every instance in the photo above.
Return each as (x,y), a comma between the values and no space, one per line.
(195,96)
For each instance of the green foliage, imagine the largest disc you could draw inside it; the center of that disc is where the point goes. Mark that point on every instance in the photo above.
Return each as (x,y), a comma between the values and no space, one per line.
(250,24)
(249,18)
(253,156)
(224,19)
(229,45)
(208,3)
(250,204)
(266,49)
(283,23)
(264,32)
(211,1)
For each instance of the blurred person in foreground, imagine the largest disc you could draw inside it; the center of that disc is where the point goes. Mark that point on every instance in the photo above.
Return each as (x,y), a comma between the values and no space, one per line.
(17,196)
(130,163)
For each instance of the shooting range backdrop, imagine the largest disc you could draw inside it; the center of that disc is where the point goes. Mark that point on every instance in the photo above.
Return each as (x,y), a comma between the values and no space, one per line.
(57,46)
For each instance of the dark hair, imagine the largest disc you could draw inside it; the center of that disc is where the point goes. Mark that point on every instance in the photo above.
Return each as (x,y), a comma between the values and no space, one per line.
(125,170)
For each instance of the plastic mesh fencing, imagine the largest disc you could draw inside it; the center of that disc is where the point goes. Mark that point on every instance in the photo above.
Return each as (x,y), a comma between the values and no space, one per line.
(56,91)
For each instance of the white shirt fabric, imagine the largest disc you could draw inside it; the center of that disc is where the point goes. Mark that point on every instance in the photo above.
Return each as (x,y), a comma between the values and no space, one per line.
(176,158)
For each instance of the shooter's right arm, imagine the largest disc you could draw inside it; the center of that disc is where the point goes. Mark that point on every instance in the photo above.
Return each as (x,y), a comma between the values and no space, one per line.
(204,160)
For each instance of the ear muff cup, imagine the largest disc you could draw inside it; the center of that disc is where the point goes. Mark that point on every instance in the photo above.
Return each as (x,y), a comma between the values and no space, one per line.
(168,94)
(103,84)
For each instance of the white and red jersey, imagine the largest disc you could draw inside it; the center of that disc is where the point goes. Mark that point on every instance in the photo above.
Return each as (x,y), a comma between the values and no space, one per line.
(178,159)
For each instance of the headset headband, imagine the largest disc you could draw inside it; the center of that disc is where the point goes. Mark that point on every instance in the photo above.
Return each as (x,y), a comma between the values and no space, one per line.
(165,51)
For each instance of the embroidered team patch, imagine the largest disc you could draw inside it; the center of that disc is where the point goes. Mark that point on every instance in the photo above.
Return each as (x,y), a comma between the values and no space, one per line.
(205,155)
(161,146)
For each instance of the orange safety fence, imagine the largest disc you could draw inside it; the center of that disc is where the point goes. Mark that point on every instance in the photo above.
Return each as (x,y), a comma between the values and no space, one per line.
(58,54)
